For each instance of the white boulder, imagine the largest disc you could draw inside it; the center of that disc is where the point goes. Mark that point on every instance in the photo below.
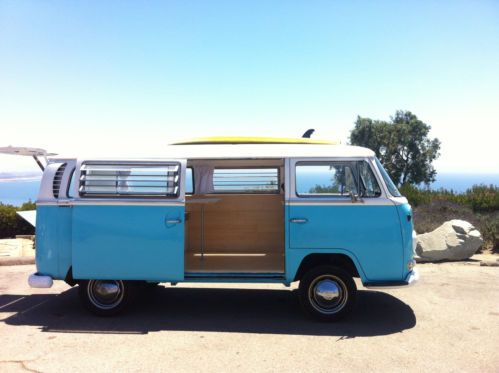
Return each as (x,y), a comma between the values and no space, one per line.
(453,240)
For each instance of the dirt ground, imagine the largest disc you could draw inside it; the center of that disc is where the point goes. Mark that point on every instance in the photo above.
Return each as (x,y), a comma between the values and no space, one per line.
(448,322)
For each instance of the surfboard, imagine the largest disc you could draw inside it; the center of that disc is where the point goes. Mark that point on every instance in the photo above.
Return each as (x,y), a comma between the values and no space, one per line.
(217,140)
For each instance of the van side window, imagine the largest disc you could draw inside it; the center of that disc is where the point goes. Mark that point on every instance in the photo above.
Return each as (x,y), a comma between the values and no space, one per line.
(189,181)
(129,180)
(246,180)
(388,181)
(326,179)
(369,186)
(71,184)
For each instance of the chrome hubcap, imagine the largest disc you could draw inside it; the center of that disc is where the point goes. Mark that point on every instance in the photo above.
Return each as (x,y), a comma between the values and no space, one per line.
(105,294)
(327,290)
(328,294)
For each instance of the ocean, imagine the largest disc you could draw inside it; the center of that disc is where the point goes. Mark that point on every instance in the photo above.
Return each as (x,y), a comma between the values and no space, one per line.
(17,191)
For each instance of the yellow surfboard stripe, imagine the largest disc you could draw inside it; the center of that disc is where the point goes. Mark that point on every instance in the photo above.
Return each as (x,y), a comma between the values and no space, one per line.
(252,140)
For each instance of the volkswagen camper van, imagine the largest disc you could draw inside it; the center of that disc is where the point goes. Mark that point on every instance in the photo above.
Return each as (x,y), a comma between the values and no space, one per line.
(225,210)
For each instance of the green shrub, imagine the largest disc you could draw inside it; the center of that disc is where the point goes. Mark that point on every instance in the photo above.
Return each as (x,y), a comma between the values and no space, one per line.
(483,198)
(12,224)
(415,195)
(480,198)
(490,231)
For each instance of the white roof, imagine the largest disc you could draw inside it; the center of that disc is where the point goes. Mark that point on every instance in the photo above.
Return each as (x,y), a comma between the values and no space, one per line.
(252,151)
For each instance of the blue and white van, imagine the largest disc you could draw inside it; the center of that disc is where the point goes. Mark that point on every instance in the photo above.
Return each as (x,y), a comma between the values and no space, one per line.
(225,211)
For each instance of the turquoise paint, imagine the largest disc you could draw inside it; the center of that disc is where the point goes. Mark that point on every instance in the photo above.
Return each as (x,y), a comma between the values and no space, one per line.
(289,274)
(406,227)
(134,242)
(369,234)
(64,227)
(294,257)
(53,240)
(128,242)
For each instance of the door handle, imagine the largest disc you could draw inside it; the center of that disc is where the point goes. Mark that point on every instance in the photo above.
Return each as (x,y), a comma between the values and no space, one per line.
(173,221)
(298,220)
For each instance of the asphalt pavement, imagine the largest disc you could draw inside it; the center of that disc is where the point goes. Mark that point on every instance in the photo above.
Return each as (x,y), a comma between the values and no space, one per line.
(448,322)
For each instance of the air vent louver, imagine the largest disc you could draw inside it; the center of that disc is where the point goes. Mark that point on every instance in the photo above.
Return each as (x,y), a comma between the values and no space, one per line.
(56,186)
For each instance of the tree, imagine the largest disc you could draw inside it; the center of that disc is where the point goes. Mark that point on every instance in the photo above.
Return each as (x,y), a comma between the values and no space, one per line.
(402,145)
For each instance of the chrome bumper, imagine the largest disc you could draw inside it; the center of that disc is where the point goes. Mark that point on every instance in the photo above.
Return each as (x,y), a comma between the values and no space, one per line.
(40,281)
(411,279)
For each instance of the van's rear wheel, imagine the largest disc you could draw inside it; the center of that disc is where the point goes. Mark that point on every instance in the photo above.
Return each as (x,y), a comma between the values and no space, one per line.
(327,293)
(104,297)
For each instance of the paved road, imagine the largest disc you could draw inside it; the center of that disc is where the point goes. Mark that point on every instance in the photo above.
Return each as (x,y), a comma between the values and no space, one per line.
(448,322)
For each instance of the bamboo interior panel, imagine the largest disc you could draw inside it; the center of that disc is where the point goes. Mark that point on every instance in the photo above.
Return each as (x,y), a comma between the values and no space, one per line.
(236,224)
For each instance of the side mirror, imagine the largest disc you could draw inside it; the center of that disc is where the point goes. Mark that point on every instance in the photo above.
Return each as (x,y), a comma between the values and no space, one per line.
(355,197)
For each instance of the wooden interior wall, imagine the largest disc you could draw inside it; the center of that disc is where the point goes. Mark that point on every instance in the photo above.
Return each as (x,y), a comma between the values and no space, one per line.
(242,233)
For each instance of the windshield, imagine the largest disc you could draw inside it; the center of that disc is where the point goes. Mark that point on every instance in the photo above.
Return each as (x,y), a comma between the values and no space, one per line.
(389,183)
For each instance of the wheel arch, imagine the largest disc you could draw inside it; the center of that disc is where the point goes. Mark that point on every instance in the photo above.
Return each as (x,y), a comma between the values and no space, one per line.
(341,260)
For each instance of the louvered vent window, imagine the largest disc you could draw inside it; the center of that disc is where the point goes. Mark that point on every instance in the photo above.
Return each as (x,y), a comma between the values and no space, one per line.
(56,185)
(246,180)
(130,180)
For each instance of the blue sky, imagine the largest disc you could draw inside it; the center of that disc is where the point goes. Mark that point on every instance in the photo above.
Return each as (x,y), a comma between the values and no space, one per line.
(119,78)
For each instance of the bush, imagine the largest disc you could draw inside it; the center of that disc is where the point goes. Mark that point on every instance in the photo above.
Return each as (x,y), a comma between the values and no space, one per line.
(415,195)
(483,198)
(480,198)
(12,224)
(490,231)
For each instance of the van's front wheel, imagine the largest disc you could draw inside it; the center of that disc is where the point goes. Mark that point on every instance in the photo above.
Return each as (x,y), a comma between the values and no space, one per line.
(104,297)
(327,293)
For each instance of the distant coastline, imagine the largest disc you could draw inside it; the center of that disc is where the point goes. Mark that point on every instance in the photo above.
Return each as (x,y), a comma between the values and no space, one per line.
(22,178)
(459,183)
(6,177)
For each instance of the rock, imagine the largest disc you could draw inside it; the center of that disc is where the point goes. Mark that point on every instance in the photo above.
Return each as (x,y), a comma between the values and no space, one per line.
(489,263)
(453,240)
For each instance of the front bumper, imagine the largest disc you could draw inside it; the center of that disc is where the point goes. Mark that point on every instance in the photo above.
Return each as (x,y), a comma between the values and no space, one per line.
(38,281)
(412,277)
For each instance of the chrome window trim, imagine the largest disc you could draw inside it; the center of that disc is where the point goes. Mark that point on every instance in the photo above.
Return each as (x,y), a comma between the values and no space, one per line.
(123,200)
(254,191)
(323,195)
(87,180)
(291,195)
